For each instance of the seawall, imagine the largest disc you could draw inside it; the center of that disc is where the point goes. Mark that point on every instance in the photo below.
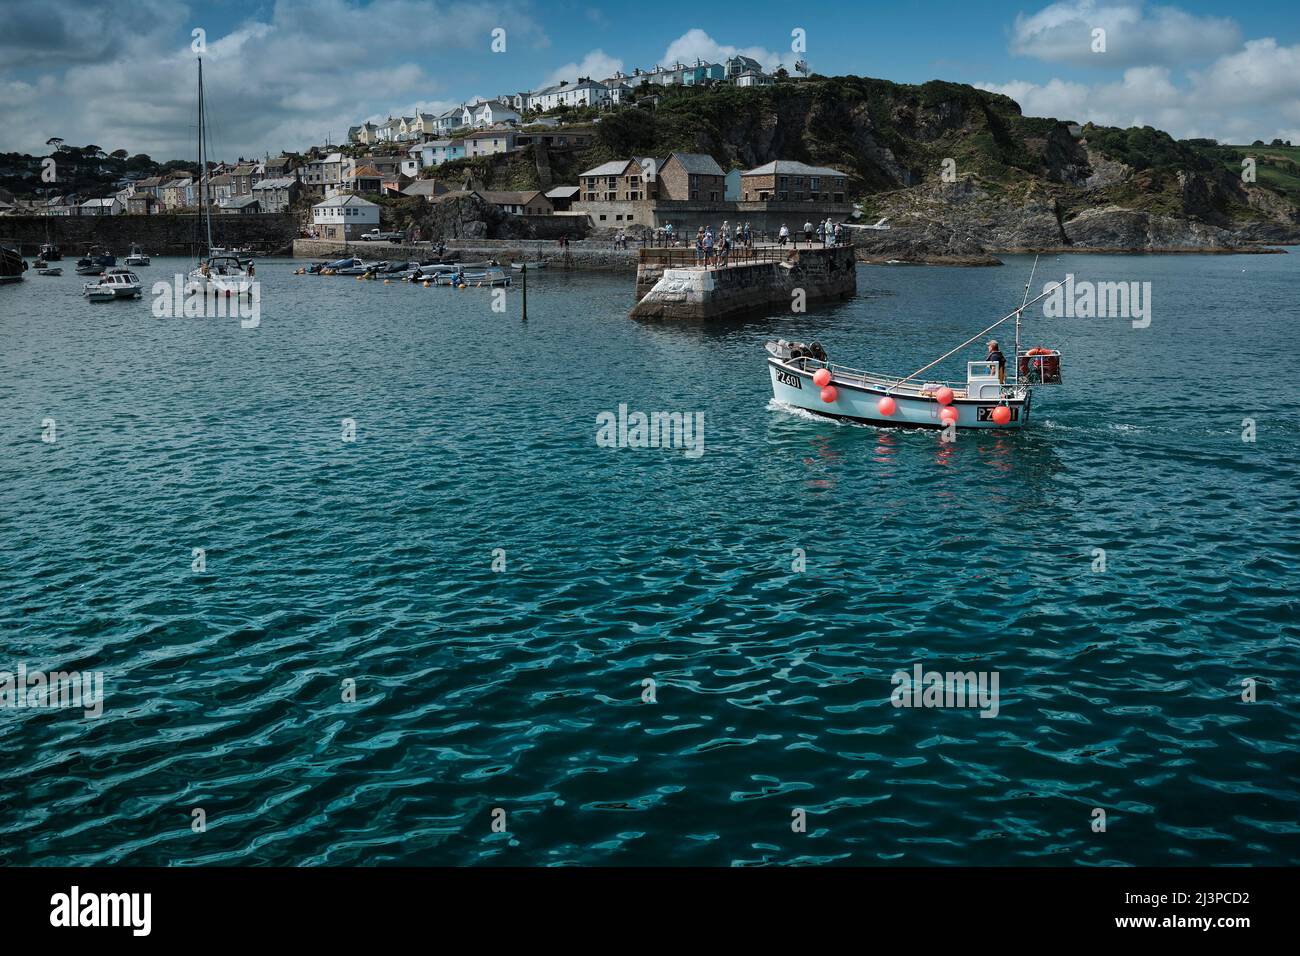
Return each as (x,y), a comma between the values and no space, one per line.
(698,292)
(160,235)
(587,254)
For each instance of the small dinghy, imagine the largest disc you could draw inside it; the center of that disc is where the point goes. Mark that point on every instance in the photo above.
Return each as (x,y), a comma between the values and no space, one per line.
(472,279)
(520,266)
(50,271)
(803,376)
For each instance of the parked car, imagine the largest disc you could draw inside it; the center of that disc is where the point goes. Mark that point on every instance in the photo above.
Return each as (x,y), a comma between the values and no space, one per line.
(374,235)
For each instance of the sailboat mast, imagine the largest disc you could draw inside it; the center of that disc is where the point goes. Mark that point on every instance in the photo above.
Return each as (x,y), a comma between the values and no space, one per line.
(203,164)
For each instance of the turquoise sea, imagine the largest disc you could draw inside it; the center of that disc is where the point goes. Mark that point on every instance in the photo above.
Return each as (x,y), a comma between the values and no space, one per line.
(498,588)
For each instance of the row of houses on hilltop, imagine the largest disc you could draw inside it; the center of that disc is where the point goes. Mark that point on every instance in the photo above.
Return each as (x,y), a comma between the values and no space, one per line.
(510,108)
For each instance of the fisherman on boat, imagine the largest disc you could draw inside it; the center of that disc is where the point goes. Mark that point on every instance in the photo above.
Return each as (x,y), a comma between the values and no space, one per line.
(995,355)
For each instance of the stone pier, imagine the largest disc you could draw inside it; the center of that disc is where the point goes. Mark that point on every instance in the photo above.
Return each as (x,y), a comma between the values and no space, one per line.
(670,285)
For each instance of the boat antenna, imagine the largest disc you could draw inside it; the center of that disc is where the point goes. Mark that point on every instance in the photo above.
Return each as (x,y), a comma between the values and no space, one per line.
(1047,291)
(1016,355)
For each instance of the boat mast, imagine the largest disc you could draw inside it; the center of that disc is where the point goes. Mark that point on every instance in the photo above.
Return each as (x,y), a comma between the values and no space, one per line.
(1016,355)
(203,164)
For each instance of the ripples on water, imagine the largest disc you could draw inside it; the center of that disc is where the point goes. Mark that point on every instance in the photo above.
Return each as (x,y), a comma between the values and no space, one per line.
(522,690)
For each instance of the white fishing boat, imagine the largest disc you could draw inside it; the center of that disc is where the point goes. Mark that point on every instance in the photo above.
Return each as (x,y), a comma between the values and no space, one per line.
(50,271)
(136,257)
(114,284)
(803,376)
(219,272)
(520,266)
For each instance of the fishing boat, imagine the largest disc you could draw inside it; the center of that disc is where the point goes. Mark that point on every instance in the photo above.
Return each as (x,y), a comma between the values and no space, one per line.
(520,266)
(353,267)
(50,251)
(219,272)
(114,284)
(803,376)
(12,265)
(137,258)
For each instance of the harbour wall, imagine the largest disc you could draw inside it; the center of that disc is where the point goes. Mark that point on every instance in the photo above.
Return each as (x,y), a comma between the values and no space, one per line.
(586,254)
(158,235)
(693,292)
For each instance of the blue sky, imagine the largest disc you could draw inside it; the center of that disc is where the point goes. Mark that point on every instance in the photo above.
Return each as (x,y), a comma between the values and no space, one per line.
(287,73)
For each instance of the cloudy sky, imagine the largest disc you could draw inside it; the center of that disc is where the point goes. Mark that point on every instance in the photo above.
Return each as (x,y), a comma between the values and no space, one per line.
(289,73)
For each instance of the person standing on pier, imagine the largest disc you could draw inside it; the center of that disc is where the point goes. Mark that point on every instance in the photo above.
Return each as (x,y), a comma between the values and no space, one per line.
(784,235)
(708,247)
(808,232)
(699,244)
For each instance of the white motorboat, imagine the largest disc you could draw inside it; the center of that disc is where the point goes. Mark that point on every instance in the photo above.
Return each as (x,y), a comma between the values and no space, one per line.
(136,257)
(50,271)
(114,284)
(804,377)
(520,266)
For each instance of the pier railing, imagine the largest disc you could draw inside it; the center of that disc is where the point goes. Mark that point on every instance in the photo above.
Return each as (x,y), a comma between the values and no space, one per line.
(685,257)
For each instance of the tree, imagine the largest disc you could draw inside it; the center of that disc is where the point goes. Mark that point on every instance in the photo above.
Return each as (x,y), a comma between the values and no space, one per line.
(119,154)
(54,141)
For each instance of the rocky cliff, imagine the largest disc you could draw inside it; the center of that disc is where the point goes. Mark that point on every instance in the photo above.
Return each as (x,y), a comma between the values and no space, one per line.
(961,171)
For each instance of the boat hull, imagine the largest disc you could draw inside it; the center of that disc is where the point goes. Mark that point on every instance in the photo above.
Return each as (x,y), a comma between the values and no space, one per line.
(857,403)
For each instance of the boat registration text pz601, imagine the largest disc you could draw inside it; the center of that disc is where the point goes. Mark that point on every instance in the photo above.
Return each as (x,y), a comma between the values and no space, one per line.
(788,378)
(985,413)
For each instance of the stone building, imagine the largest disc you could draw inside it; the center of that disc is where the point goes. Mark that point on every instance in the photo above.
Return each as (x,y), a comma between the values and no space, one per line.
(785,180)
(694,177)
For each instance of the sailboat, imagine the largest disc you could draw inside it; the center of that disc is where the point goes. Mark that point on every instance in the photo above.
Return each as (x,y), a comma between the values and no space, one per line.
(217,272)
(803,376)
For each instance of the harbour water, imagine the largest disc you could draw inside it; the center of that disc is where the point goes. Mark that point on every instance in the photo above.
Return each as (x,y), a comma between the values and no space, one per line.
(498,587)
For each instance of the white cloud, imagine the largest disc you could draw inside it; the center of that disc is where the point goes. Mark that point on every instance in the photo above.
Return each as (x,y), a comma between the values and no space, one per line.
(1251,93)
(597,64)
(695,43)
(1135,34)
(281,79)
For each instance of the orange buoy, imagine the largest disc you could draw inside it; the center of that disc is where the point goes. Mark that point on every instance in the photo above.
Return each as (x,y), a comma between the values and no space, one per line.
(822,377)
(829,394)
(948,414)
(886,406)
(1001,415)
(943,396)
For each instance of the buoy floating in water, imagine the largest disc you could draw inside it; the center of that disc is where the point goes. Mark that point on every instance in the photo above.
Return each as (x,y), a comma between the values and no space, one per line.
(822,377)
(829,394)
(1001,415)
(886,406)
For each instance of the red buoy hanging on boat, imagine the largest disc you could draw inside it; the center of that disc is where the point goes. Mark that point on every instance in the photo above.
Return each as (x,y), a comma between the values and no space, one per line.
(822,377)
(948,414)
(829,394)
(943,395)
(1001,415)
(886,406)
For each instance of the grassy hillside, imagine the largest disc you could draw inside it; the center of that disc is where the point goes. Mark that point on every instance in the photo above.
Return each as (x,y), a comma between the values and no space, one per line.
(1276,167)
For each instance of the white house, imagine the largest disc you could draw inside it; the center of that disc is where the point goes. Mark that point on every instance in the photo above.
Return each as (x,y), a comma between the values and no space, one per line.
(112,206)
(344,217)
(754,78)
(582,93)
(488,113)
(450,121)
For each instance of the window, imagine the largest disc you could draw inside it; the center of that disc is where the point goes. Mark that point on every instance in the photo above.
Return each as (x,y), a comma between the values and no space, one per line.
(814,183)
(602,218)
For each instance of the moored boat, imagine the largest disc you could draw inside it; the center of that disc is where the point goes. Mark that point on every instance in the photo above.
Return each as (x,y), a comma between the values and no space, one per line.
(472,279)
(520,266)
(50,271)
(50,252)
(136,257)
(116,283)
(12,265)
(94,264)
